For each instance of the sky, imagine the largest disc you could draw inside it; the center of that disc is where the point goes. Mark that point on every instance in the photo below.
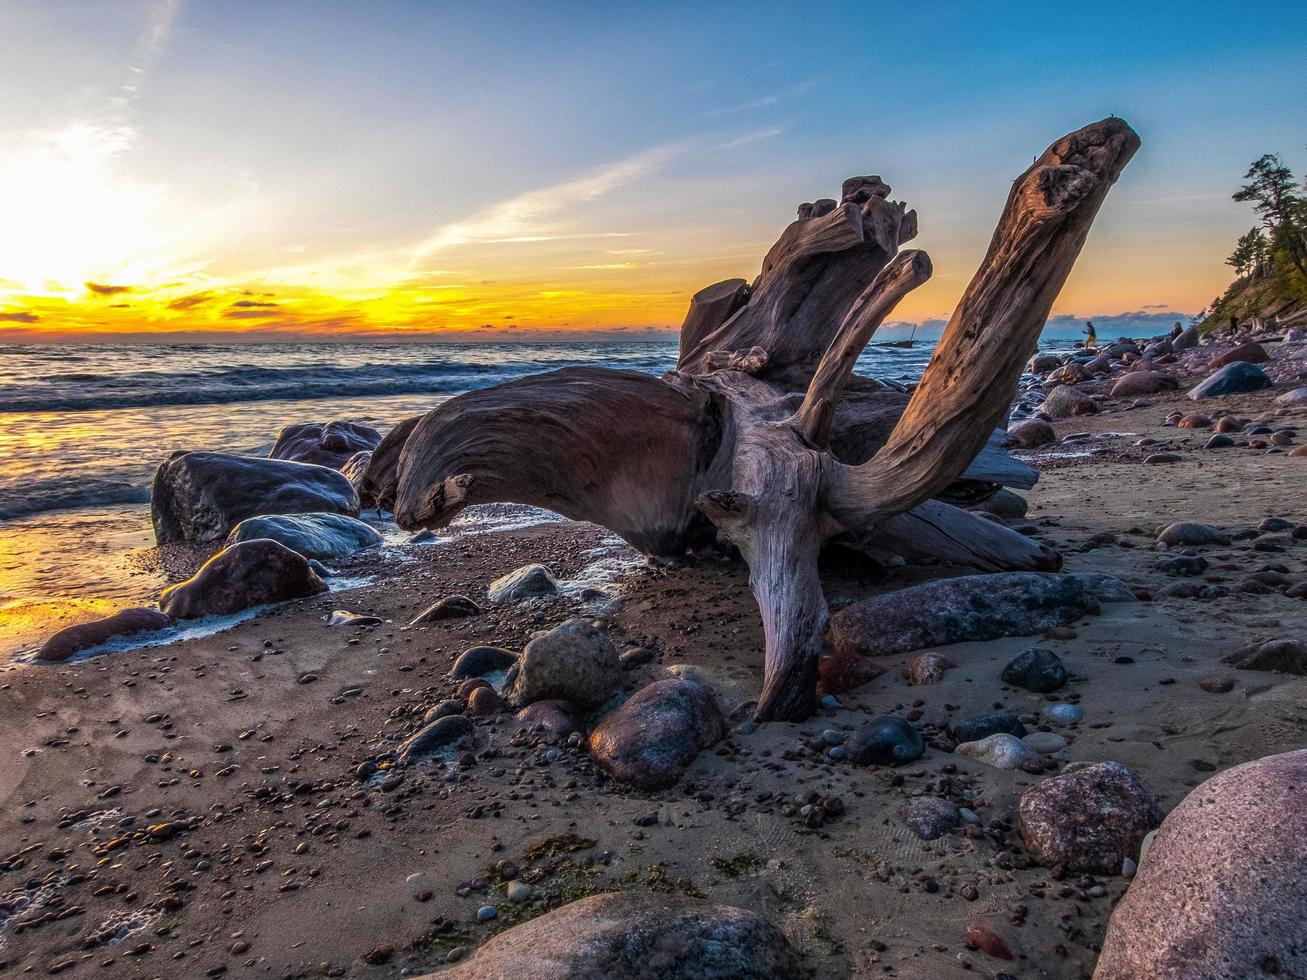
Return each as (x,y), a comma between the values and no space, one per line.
(254,170)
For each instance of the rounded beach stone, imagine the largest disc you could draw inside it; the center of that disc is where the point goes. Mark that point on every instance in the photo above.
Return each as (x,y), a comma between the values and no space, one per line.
(635,934)
(1036,670)
(1087,819)
(886,740)
(1002,751)
(248,574)
(982,726)
(83,636)
(479,661)
(1221,891)
(929,817)
(526,582)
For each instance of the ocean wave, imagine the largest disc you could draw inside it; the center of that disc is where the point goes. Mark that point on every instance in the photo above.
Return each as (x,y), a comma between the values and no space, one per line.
(67,493)
(95,391)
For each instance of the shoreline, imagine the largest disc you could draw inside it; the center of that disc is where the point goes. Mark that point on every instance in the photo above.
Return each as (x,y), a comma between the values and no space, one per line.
(282,863)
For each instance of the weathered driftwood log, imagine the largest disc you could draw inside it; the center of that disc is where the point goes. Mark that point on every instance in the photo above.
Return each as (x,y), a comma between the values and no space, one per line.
(765,431)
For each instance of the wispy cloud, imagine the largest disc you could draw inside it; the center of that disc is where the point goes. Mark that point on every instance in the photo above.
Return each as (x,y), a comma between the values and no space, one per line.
(765,101)
(754,137)
(544,214)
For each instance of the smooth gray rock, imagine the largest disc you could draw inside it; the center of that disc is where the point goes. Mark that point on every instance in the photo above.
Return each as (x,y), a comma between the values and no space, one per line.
(1001,750)
(1065,401)
(202,496)
(572,662)
(1233,379)
(447,607)
(929,817)
(1221,893)
(971,607)
(526,582)
(885,740)
(321,536)
(1189,534)
(635,936)
(651,738)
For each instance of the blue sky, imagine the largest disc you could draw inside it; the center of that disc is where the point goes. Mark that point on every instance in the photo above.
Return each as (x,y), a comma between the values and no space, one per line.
(560,166)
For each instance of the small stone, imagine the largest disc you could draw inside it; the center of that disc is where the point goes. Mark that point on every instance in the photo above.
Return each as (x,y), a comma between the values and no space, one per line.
(486,913)
(1217,685)
(636,657)
(987,941)
(927,668)
(1189,534)
(1219,441)
(527,582)
(1046,743)
(1160,458)
(887,740)
(982,726)
(1002,751)
(1036,670)
(929,817)
(479,661)
(518,891)
(1062,714)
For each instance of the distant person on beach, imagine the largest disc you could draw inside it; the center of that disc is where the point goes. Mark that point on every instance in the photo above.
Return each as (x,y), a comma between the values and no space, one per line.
(1234,324)
(1177,329)
(1091,336)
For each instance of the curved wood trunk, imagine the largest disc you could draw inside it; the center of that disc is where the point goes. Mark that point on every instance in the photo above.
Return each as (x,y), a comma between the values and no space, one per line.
(727,438)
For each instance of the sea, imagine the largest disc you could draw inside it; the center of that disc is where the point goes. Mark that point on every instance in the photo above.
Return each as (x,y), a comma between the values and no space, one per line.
(83,428)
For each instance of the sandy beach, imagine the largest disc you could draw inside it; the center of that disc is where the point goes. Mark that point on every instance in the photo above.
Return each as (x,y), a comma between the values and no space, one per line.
(195,810)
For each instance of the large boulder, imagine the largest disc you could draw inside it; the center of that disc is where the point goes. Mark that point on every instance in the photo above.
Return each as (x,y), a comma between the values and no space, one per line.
(573,662)
(1185,340)
(1250,352)
(1222,892)
(1233,379)
(202,496)
(252,573)
(972,607)
(330,445)
(1090,818)
(376,487)
(83,636)
(1065,401)
(320,536)
(1143,383)
(635,935)
(656,733)
(1286,656)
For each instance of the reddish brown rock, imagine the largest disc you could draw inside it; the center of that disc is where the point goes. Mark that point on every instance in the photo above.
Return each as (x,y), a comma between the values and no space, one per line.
(653,736)
(927,668)
(484,702)
(1222,892)
(1065,401)
(1143,383)
(83,636)
(1032,433)
(252,573)
(1251,353)
(987,941)
(846,671)
(1088,819)
(1195,421)
(552,717)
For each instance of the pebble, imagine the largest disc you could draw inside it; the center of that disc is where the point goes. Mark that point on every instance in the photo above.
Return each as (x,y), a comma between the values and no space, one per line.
(1046,743)
(1219,441)
(1064,714)
(518,891)
(831,737)
(1220,684)
(830,702)
(1128,868)
(1002,751)
(1159,458)
(929,817)
(486,913)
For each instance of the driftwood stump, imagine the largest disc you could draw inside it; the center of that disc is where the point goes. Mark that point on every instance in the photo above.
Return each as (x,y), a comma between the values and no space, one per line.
(764,435)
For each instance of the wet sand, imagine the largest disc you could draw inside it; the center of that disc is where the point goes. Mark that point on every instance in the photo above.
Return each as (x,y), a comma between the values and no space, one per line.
(189,810)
